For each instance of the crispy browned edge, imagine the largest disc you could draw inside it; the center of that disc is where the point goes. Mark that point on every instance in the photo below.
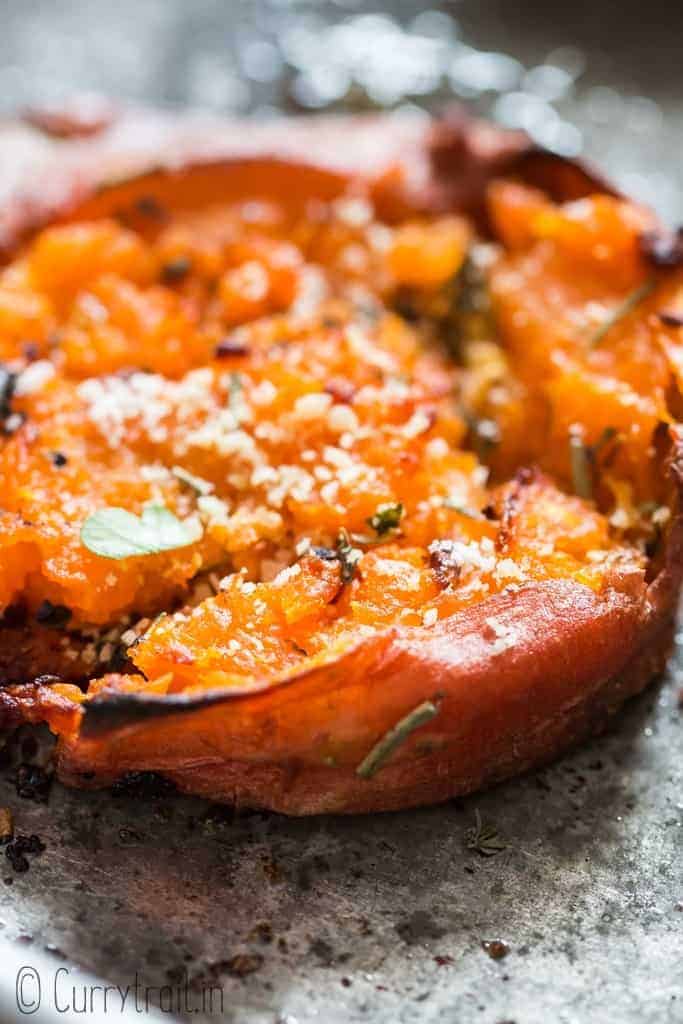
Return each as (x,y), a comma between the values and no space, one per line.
(576,658)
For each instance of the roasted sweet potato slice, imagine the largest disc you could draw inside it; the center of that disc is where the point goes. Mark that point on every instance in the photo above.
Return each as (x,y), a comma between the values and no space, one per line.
(337,489)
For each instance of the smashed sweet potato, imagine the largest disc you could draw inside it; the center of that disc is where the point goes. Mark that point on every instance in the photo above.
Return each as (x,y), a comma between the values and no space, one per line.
(317,497)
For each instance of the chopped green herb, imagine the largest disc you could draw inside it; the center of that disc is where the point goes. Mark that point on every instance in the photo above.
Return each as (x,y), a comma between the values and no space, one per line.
(386,519)
(348,556)
(391,740)
(623,309)
(484,839)
(116,533)
(197,484)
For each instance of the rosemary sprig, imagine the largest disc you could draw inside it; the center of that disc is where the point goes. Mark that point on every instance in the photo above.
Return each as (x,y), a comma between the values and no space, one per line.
(391,740)
(484,839)
(584,457)
(623,309)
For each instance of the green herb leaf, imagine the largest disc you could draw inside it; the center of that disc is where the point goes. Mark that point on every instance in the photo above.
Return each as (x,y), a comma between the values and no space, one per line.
(391,740)
(623,309)
(116,533)
(386,519)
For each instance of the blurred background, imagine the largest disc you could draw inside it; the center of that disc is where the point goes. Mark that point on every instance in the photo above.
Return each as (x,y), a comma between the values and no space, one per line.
(599,78)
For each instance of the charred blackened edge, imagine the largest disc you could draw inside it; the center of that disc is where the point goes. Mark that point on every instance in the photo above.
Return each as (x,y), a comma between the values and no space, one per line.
(109,712)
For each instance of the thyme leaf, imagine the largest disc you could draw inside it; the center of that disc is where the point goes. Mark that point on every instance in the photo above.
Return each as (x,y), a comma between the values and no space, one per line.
(484,839)
(623,309)
(391,740)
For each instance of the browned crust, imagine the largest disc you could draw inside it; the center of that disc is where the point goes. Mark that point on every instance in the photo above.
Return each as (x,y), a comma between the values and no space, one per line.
(574,656)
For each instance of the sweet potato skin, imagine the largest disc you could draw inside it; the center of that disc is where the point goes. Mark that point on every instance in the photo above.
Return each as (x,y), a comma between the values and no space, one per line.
(500,710)
(571,656)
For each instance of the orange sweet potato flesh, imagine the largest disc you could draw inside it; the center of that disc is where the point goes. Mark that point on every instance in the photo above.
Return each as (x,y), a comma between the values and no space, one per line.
(521,613)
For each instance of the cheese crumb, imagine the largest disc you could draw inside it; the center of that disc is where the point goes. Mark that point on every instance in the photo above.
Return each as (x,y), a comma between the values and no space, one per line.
(430,616)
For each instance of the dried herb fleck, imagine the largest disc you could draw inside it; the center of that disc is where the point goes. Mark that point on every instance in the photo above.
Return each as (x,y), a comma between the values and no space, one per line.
(195,483)
(150,207)
(348,556)
(583,459)
(386,519)
(235,397)
(484,839)
(8,383)
(176,270)
(582,475)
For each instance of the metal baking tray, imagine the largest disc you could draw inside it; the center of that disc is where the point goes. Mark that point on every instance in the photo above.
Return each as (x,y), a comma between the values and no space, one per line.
(379,918)
(258,919)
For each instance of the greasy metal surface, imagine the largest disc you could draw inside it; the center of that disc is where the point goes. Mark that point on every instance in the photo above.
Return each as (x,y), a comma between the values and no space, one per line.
(382,918)
(376,919)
